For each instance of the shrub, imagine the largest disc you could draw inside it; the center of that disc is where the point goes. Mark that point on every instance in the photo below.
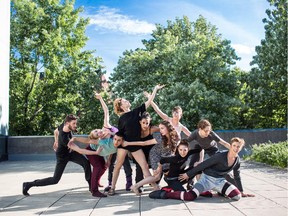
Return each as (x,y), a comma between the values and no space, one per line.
(274,154)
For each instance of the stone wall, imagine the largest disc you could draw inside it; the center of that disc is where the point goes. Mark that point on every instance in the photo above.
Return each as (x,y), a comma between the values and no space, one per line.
(41,147)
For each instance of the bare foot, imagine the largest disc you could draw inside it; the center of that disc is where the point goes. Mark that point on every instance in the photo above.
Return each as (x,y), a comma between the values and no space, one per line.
(156,187)
(135,190)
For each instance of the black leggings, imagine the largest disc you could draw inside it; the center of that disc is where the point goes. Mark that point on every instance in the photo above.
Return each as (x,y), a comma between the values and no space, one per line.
(60,167)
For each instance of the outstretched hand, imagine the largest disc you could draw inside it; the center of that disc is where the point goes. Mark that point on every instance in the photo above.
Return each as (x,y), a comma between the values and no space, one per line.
(183,177)
(146,94)
(97,95)
(158,86)
(247,195)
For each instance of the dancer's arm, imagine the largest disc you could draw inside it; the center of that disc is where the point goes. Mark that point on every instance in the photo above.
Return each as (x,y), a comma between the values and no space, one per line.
(159,112)
(156,108)
(105,109)
(186,131)
(139,143)
(76,148)
(201,158)
(84,140)
(154,129)
(151,98)
(237,178)
(56,134)
(224,143)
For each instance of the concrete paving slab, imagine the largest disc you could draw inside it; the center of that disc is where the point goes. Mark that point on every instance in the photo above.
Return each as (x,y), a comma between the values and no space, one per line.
(71,196)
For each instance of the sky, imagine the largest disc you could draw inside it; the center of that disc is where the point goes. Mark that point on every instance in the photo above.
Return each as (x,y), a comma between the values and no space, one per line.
(119,25)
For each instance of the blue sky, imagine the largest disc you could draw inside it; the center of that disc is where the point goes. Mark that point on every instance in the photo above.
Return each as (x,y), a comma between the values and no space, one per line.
(119,25)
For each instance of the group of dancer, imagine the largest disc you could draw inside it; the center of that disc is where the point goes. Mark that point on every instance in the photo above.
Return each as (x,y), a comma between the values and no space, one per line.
(170,157)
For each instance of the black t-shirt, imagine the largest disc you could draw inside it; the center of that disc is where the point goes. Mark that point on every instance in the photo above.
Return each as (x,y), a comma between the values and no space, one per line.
(63,140)
(129,125)
(206,142)
(217,167)
(177,162)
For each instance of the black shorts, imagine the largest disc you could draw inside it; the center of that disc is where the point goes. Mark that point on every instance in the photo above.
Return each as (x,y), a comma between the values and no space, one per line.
(131,148)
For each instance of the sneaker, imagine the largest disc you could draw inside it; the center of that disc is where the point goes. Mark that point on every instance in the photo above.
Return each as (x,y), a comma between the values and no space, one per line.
(141,189)
(25,187)
(98,194)
(159,194)
(106,189)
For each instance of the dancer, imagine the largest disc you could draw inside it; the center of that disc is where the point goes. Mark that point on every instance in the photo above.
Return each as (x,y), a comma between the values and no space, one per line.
(206,140)
(177,113)
(177,165)
(213,177)
(167,147)
(112,159)
(103,140)
(147,131)
(104,147)
(129,126)
(63,156)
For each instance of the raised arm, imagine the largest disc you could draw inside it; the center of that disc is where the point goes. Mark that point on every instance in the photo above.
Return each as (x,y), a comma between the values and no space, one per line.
(105,109)
(159,112)
(151,98)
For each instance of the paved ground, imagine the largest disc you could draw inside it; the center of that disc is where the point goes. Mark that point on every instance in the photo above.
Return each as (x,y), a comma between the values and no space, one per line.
(71,197)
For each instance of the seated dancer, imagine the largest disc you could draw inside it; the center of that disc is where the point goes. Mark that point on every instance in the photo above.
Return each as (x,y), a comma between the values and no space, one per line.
(177,165)
(214,170)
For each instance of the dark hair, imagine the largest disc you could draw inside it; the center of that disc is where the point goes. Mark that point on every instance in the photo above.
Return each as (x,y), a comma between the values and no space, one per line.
(183,142)
(120,134)
(70,118)
(145,115)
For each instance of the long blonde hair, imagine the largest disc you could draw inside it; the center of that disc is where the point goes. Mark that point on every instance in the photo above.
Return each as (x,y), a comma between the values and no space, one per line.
(92,135)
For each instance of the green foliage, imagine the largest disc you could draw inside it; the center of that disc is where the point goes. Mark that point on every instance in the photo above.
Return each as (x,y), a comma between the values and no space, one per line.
(50,75)
(267,82)
(195,63)
(274,154)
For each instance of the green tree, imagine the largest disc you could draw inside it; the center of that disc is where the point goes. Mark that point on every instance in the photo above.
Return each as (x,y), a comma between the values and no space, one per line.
(267,81)
(50,74)
(194,62)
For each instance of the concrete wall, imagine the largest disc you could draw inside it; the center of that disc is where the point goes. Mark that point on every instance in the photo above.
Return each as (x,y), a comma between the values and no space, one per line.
(40,147)
(31,147)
